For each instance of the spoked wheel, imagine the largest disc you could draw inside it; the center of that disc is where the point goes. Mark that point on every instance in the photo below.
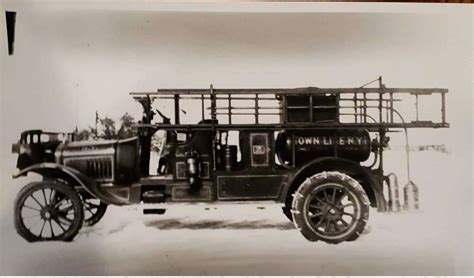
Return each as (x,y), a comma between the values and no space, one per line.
(48,211)
(331,207)
(94,210)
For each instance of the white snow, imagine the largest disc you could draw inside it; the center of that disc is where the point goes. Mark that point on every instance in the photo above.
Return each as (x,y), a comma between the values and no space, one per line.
(254,239)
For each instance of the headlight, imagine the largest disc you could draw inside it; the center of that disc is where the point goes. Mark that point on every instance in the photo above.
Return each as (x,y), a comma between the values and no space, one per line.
(19,148)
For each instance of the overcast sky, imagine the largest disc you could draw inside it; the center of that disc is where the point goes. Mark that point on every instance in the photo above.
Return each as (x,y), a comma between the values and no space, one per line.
(68,62)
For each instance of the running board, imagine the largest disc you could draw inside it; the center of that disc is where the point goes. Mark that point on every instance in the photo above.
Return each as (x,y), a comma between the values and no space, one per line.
(154,211)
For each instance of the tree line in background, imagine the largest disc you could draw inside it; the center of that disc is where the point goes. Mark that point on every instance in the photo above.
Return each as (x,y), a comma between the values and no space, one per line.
(105,128)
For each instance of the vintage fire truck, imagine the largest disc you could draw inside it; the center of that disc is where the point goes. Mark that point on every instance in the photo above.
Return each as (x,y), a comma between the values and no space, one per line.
(319,152)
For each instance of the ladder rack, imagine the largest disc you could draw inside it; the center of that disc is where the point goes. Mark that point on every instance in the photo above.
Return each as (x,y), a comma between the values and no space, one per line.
(309,107)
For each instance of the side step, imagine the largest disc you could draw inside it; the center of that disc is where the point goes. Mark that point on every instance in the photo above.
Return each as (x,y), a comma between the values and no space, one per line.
(154,211)
(153,196)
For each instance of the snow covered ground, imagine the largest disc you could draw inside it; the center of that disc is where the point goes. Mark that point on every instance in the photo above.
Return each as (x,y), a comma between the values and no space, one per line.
(255,239)
(190,240)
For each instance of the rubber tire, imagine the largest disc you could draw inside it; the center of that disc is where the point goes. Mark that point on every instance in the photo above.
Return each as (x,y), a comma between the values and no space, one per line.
(299,215)
(63,188)
(97,216)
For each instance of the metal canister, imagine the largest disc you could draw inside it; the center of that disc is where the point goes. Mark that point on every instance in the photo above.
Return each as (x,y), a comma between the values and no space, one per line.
(310,144)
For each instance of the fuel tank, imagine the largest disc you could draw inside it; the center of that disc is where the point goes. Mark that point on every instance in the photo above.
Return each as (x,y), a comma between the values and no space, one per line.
(310,144)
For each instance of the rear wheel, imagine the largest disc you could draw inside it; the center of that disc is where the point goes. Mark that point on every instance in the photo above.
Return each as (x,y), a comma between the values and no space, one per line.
(330,206)
(94,210)
(48,211)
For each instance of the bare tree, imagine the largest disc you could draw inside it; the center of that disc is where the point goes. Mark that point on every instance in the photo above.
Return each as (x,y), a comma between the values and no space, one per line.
(126,130)
(105,129)
(84,134)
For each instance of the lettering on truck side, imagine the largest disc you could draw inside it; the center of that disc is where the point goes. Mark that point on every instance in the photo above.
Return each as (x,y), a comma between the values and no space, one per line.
(327,141)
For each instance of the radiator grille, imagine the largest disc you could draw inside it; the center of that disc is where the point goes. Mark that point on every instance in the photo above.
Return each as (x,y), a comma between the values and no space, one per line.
(98,168)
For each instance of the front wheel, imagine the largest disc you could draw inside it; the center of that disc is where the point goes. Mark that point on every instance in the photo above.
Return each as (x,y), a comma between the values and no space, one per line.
(330,206)
(48,211)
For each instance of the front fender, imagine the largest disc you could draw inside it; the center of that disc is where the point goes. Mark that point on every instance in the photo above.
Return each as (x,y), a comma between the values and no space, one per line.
(74,177)
(370,185)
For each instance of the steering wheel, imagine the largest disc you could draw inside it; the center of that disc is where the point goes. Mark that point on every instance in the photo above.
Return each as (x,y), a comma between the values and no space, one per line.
(166,120)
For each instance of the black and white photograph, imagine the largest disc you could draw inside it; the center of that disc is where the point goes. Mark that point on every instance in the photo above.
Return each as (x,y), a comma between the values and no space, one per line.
(236,138)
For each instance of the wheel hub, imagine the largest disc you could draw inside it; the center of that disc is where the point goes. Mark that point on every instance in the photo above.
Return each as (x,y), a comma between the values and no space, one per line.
(332,213)
(48,213)
(328,209)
